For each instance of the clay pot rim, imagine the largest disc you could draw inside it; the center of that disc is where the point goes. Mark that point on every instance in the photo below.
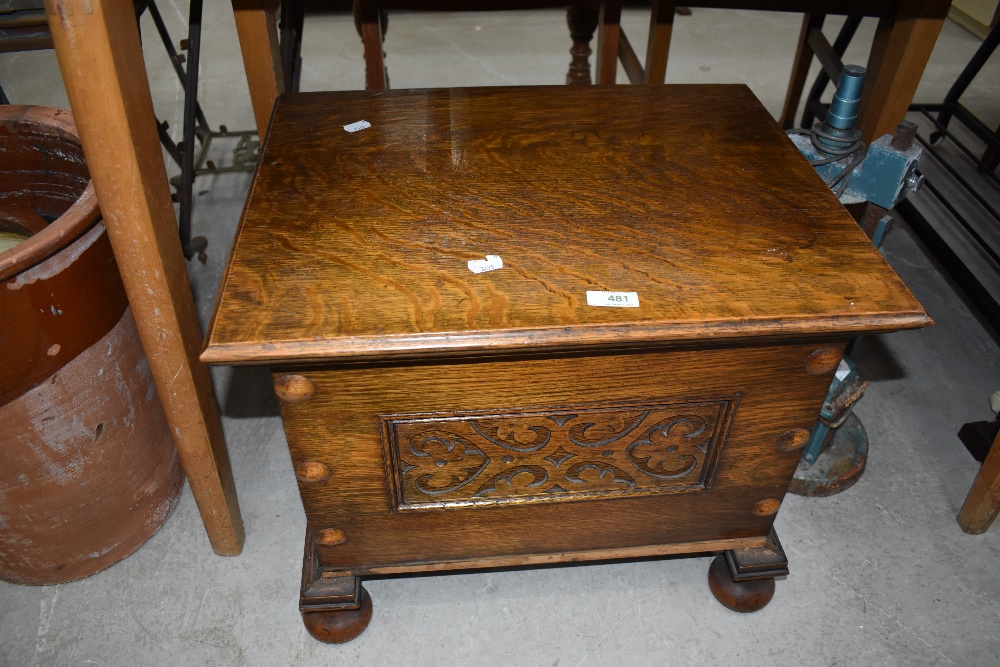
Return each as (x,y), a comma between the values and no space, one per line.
(77,219)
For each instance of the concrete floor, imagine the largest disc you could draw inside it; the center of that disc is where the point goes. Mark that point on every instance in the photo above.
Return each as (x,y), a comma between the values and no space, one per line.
(881,574)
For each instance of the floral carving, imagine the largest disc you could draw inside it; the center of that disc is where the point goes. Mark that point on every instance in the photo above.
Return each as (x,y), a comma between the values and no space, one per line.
(670,449)
(536,456)
(442,462)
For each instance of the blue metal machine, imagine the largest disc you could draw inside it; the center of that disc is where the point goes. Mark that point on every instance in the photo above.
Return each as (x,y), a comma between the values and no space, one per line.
(883,174)
(880,175)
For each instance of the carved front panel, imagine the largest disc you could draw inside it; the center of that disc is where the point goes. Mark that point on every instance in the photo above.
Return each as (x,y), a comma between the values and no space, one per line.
(560,454)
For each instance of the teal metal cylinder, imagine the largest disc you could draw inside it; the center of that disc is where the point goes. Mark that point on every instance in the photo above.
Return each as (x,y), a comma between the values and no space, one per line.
(844,107)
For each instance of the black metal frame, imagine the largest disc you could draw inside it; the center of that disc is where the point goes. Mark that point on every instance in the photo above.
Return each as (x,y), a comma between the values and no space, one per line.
(194,163)
(941,115)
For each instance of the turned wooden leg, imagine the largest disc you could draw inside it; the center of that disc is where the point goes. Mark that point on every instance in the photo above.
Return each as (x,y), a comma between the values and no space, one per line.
(335,606)
(582,19)
(743,579)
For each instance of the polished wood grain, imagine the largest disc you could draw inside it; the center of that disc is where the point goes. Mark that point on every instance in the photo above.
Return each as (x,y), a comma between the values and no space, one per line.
(97,44)
(354,246)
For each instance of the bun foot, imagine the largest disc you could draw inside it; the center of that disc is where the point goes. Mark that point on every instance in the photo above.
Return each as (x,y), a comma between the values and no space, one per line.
(337,627)
(742,596)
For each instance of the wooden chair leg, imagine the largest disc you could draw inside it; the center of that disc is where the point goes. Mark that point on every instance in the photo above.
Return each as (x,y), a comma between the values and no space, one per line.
(902,46)
(97,45)
(608,32)
(582,18)
(661,25)
(257,29)
(800,70)
(983,502)
(370,20)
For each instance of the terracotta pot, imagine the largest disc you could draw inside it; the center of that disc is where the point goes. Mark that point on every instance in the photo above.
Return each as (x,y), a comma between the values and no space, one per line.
(88,471)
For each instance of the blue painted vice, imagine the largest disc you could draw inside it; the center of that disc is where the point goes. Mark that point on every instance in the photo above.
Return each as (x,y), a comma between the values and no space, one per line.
(880,176)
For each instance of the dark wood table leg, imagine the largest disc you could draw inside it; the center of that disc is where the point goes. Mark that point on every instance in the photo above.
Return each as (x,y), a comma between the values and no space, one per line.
(661,25)
(582,20)
(743,579)
(335,609)
(372,23)
(608,33)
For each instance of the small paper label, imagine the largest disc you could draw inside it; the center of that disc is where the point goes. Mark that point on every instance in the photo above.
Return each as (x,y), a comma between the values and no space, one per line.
(613,299)
(491,263)
(359,125)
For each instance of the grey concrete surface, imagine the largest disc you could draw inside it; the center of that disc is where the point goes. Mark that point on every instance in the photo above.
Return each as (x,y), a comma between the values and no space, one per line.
(881,574)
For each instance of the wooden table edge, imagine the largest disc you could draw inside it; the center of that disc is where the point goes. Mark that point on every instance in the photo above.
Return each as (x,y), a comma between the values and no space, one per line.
(576,338)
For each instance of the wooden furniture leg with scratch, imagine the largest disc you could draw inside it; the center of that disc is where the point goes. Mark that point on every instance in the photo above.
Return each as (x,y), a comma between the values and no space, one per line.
(638,377)
(97,45)
(983,502)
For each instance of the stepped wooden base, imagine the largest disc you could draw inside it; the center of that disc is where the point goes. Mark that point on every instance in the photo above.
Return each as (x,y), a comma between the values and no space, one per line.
(743,579)
(337,627)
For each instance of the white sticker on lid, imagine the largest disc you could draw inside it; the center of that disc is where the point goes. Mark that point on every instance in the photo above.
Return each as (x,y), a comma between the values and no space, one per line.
(359,125)
(491,263)
(613,299)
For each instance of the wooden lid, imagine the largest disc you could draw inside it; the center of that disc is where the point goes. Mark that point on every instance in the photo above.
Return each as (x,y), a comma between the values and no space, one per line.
(354,245)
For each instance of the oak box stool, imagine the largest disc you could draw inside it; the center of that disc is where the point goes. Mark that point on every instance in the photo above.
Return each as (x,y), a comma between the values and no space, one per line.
(516,326)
